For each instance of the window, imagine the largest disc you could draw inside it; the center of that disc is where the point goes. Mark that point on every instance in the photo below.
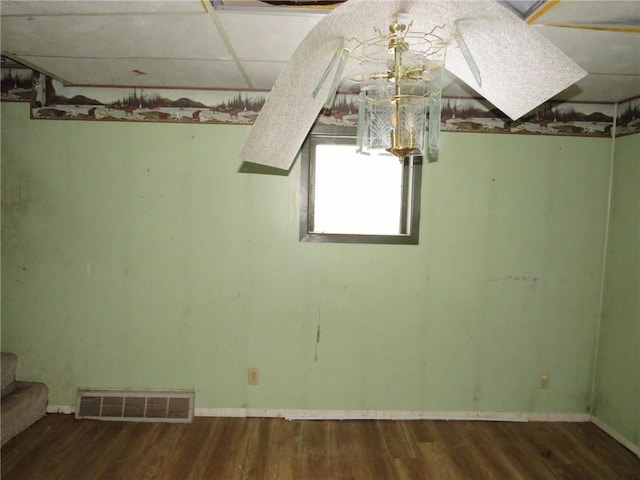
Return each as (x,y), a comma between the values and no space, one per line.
(348,197)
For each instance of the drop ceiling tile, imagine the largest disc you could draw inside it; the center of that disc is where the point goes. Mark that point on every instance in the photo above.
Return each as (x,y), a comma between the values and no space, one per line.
(65,7)
(114,36)
(267,36)
(179,73)
(263,74)
(602,88)
(264,41)
(263,6)
(598,51)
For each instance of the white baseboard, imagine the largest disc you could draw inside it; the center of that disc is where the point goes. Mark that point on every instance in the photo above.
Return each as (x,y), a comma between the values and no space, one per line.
(303,414)
(617,436)
(66,409)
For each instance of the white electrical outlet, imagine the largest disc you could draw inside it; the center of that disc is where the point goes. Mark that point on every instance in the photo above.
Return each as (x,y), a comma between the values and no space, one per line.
(544,381)
(253,376)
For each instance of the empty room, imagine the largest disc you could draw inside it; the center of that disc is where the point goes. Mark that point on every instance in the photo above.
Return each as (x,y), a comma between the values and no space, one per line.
(362,239)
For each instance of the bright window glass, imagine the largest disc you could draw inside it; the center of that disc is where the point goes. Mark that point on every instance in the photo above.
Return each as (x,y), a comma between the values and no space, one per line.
(346,197)
(355,193)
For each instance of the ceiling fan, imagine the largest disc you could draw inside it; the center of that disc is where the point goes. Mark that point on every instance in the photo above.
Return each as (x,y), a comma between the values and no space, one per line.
(489,48)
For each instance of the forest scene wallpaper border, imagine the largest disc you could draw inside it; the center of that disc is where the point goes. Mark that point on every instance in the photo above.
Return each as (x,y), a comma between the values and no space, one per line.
(51,100)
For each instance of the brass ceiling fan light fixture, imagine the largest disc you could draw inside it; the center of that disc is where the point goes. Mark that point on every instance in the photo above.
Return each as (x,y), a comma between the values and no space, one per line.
(401,73)
(487,46)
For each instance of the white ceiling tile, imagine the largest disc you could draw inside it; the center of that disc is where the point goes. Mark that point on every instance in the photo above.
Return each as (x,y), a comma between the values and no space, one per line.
(114,36)
(263,7)
(157,73)
(603,88)
(65,7)
(263,74)
(598,51)
(141,35)
(267,36)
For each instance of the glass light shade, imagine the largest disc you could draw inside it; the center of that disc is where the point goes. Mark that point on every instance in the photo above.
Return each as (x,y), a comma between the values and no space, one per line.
(392,125)
(394,102)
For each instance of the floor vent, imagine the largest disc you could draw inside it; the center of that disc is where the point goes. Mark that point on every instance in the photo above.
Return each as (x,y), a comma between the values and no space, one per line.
(174,406)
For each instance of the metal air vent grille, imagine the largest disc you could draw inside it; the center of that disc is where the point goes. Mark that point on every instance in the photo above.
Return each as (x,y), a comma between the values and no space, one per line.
(136,405)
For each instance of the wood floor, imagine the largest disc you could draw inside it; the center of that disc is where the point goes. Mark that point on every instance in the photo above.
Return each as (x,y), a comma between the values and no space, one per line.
(60,447)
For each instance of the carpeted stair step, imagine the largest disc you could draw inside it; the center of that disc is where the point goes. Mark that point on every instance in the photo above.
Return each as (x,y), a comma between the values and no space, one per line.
(22,407)
(23,403)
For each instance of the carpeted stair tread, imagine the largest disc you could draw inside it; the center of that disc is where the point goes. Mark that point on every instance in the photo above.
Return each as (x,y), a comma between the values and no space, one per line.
(22,407)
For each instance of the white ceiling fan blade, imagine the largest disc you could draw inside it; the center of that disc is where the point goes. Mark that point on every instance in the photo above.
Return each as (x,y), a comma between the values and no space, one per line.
(520,69)
(292,107)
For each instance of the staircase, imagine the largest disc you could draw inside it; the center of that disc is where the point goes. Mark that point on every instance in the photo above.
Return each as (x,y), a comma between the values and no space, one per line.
(23,403)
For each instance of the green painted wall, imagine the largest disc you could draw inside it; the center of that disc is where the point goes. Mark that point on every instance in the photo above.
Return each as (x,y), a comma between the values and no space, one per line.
(135,255)
(617,389)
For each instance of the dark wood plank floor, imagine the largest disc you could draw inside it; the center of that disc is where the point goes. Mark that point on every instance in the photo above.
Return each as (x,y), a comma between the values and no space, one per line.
(60,447)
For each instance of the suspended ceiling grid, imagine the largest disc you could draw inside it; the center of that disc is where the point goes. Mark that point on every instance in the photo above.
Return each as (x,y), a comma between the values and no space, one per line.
(245,44)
